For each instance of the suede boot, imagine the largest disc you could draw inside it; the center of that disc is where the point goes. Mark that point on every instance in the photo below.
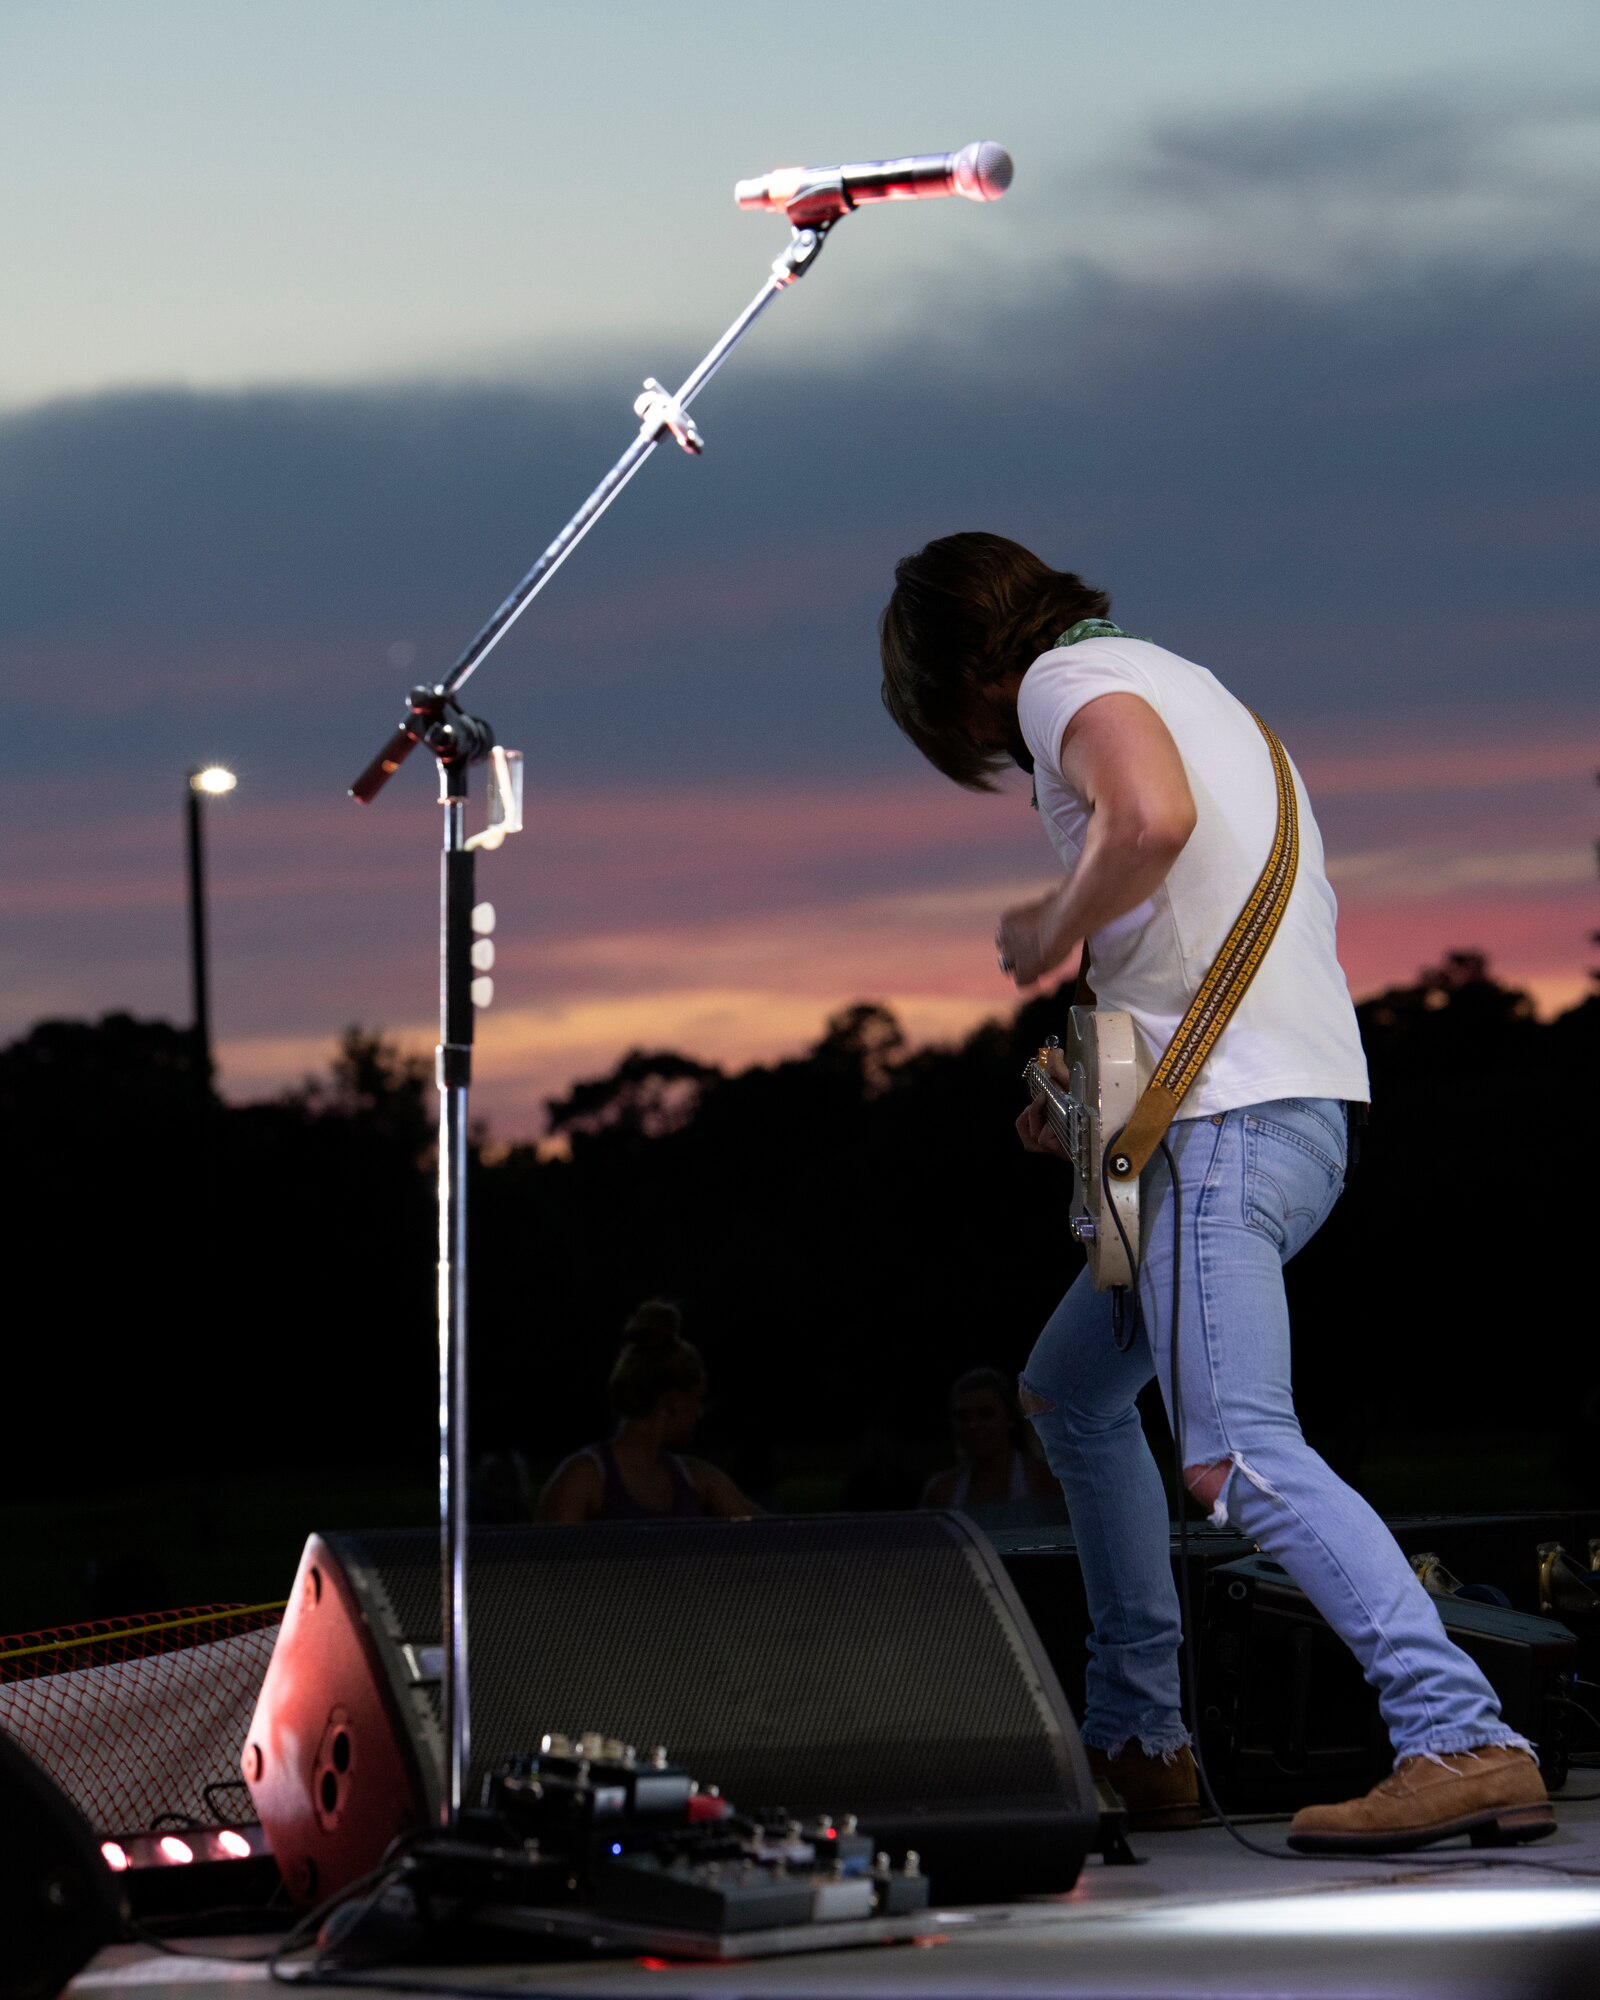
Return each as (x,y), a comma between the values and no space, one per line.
(1493,1794)
(1160,1797)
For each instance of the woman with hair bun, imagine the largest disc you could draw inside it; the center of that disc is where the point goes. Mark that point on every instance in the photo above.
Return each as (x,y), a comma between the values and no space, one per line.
(658,1391)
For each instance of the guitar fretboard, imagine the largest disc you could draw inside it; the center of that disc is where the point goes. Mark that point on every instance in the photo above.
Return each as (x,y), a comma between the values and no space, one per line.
(1058,1109)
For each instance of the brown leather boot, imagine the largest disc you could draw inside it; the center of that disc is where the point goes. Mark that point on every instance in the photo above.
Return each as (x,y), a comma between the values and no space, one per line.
(1493,1794)
(1160,1797)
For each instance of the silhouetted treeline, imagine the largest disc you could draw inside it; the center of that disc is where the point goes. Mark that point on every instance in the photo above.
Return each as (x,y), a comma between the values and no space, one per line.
(212,1289)
(235,1288)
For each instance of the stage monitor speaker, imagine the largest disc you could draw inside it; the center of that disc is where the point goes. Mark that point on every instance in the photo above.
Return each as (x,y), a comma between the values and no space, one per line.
(878,1664)
(1287,1720)
(58,1899)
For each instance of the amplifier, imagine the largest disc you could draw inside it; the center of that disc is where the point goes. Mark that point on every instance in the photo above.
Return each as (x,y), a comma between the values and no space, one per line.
(1287,1720)
(1507,1551)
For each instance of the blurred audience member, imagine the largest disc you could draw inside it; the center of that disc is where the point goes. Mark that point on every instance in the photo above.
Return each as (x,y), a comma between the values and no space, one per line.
(999,1481)
(880,1479)
(658,1391)
(500,1490)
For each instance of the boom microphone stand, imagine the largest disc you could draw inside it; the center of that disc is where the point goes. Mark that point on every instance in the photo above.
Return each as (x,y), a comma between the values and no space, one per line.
(813,201)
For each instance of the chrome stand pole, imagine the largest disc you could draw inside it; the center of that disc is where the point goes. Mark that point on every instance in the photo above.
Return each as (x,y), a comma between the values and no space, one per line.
(454,1074)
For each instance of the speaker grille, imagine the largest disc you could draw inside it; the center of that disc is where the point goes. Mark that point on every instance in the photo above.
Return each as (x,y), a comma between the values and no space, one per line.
(772,1657)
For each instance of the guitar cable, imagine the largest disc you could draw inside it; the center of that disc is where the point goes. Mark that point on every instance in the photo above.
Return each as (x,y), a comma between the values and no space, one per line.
(1191,1672)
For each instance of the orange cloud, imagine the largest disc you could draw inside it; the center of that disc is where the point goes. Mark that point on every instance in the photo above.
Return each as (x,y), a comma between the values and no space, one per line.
(729,919)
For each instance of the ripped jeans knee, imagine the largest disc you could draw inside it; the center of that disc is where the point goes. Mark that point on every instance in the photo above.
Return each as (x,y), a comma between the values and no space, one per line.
(1030,1402)
(1209,1485)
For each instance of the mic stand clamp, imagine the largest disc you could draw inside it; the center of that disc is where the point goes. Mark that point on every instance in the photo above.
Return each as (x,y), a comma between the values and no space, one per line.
(663,415)
(433,718)
(807,240)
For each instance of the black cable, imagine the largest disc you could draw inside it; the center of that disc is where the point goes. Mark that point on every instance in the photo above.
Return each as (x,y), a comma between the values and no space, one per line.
(369,1887)
(222,1785)
(1565,1701)
(300,1933)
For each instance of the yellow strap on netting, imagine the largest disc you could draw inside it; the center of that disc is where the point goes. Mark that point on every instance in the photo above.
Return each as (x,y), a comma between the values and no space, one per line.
(1223,987)
(139,1631)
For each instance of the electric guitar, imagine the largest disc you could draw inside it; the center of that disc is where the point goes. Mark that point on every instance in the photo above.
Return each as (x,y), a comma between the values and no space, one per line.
(1086,1114)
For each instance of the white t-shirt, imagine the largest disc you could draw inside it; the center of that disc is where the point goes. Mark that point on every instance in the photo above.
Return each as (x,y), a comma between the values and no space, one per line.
(1294,1034)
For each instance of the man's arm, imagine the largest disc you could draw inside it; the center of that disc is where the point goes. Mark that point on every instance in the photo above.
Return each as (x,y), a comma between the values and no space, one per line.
(1119,757)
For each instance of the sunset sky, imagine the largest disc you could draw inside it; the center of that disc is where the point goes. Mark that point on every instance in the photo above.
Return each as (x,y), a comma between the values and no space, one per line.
(321,319)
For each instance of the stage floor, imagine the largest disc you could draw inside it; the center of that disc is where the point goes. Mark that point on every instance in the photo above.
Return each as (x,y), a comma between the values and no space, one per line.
(1201,1916)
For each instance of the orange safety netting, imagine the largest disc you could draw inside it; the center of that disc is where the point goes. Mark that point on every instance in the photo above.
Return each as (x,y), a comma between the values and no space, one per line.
(141,1720)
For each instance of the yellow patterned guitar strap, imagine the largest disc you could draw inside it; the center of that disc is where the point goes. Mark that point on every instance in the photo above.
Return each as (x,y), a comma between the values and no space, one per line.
(1223,987)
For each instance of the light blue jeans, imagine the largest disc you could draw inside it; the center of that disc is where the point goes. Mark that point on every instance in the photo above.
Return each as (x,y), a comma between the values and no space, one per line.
(1255,1184)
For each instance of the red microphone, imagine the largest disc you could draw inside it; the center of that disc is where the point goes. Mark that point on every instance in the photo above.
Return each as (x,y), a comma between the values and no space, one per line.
(979,172)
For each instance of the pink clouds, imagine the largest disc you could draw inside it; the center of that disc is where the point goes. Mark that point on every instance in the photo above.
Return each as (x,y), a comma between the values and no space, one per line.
(730,919)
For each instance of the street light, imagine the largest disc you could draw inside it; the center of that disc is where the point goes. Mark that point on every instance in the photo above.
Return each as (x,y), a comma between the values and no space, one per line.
(211,782)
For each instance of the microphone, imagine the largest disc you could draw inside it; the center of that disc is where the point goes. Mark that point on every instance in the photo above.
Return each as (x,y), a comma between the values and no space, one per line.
(980,172)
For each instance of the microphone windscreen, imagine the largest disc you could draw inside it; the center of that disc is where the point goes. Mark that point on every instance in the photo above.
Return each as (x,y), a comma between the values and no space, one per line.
(982,171)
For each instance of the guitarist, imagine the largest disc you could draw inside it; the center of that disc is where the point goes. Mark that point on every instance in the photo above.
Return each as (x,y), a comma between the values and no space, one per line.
(1157,793)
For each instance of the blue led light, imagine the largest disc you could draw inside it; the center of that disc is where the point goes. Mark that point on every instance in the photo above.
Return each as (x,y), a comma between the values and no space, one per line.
(616,1847)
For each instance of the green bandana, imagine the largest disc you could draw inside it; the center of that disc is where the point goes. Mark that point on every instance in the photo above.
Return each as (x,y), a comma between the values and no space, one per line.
(1092,628)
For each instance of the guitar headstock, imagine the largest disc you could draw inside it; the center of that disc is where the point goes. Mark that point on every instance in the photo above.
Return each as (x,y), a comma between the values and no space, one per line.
(1040,1062)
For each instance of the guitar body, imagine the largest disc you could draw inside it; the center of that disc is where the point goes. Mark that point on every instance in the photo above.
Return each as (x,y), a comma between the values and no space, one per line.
(1086,1114)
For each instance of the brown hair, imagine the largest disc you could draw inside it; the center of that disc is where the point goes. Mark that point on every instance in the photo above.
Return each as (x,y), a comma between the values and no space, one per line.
(968,612)
(655,1360)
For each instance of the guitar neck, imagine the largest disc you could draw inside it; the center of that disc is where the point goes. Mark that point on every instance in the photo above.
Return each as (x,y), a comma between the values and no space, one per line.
(1043,1085)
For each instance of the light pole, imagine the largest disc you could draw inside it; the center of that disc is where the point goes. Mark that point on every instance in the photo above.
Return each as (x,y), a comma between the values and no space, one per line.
(210,783)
